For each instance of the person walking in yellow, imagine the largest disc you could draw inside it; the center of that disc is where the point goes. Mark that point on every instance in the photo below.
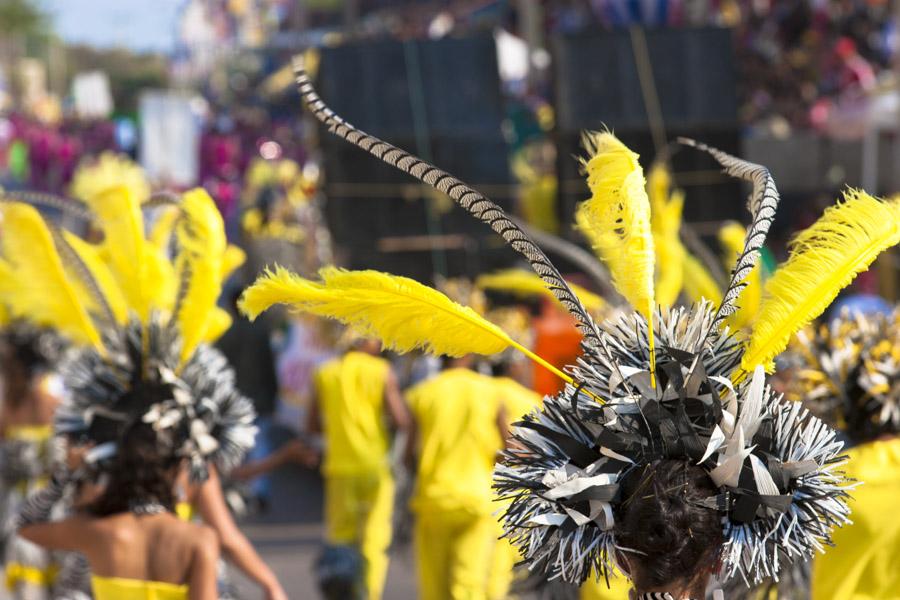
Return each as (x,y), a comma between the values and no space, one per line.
(459,426)
(518,401)
(355,396)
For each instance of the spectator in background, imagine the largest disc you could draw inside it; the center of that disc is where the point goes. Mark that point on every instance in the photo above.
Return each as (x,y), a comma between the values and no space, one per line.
(459,426)
(248,348)
(355,396)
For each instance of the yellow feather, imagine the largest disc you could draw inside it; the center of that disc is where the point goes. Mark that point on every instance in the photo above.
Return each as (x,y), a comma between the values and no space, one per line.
(616,220)
(404,314)
(698,283)
(219,323)
(666,211)
(234,257)
(119,215)
(100,271)
(202,248)
(731,237)
(824,258)
(163,227)
(528,283)
(93,178)
(158,279)
(4,313)
(36,286)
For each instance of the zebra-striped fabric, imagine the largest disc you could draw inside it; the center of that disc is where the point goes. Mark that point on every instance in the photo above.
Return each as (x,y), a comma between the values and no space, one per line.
(474,202)
(762,205)
(658,596)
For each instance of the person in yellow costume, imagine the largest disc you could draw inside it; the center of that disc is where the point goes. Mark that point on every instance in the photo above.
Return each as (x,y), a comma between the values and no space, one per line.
(459,426)
(848,371)
(355,396)
(517,401)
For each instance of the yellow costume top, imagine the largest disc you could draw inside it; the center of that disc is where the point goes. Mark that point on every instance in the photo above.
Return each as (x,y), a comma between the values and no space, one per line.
(116,588)
(350,390)
(518,399)
(456,416)
(865,562)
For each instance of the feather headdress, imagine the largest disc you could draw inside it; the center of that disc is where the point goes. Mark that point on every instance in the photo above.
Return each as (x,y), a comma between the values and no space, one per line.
(848,373)
(139,328)
(776,466)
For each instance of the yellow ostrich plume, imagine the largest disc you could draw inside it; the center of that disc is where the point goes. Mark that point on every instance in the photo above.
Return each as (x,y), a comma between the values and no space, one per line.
(124,248)
(404,314)
(666,209)
(731,237)
(89,255)
(699,284)
(824,259)
(616,221)
(95,177)
(33,279)
(163,227)
(527,283)
(199,264)
(232,259)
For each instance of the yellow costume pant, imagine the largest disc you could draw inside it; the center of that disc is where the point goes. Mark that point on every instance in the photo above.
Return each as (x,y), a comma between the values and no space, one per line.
(453,550)
(358,511)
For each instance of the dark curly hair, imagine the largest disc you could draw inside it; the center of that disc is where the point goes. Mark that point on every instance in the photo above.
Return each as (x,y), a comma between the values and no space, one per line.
(142,471)
(665,531)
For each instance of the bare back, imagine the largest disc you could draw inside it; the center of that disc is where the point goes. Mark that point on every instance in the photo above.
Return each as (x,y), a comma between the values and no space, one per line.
(150,547)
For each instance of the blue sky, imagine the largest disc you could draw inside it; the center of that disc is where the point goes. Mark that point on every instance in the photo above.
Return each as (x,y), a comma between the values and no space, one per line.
(141,25)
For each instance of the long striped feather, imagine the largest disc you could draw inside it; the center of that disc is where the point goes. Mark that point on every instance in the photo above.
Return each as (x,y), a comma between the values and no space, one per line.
(731,237)
(762,205)
(824,259)
(471,200)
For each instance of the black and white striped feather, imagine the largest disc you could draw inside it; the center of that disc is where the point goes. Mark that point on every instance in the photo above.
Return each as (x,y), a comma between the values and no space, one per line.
(762,205)
(473,201)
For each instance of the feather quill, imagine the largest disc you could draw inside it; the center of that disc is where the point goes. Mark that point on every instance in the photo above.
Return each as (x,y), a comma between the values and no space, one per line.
(616,221)
(404,314)
(35,286)
(527,283)
(824,258)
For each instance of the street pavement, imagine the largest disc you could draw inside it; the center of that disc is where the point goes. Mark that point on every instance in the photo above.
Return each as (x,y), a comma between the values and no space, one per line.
(289,536)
